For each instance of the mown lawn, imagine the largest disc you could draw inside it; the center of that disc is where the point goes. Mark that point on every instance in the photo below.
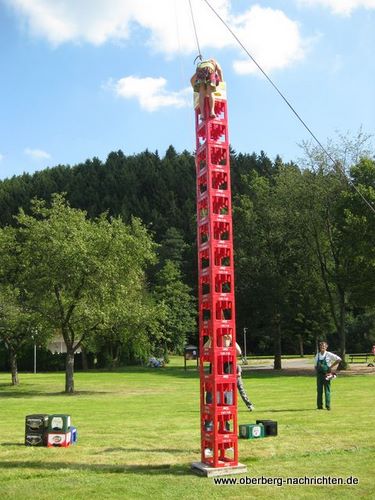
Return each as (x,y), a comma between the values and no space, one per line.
(139,433)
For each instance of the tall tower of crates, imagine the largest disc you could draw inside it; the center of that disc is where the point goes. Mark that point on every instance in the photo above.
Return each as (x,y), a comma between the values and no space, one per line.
(218,394)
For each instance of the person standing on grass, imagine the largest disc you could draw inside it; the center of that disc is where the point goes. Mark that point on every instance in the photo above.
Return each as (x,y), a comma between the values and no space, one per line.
(227,341)
(325,361)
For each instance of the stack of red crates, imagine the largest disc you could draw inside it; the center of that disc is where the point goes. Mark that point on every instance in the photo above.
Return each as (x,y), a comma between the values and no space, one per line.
(218,395)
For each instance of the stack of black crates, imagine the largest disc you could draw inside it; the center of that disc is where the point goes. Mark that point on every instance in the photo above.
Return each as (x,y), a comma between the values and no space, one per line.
(262,428)
(36,430)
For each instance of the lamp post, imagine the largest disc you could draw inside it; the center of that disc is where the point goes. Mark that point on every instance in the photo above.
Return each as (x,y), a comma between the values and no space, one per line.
(244,346)
(34,357)
(34,336)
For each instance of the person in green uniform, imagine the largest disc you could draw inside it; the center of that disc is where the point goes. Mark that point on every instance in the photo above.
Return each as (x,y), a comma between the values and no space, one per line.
(325,361)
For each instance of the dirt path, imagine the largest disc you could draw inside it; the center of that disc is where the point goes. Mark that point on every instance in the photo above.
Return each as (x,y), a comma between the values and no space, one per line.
(302,366)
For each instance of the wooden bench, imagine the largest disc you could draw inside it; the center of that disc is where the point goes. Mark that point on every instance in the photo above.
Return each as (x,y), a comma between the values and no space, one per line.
(362,358)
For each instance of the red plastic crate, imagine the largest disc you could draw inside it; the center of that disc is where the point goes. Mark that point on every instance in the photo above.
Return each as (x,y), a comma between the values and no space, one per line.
(218,394)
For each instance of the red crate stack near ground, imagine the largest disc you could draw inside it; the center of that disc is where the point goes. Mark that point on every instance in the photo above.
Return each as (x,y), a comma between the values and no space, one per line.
(218,395)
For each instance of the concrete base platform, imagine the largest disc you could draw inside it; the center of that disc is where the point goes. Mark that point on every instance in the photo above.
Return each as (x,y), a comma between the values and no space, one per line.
(205,470)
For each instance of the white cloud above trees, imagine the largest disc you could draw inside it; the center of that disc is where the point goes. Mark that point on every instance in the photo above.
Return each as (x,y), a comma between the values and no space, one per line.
(151,93)
(37,154)
(341,7)
(270,36)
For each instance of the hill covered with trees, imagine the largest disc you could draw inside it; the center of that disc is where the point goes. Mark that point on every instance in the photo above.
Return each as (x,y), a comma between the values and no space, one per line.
(304,245)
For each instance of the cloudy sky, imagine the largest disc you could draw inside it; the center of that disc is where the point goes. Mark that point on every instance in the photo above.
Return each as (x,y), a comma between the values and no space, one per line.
(82,78)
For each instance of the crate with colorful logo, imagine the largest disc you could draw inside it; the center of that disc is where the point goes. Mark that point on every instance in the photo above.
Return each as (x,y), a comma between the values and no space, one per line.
(50,430)
(251,431)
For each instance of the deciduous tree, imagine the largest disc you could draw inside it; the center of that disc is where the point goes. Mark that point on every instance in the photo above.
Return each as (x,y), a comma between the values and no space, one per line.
(78,274)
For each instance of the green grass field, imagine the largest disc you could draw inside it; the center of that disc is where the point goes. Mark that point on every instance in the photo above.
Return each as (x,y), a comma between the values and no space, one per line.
(139,433)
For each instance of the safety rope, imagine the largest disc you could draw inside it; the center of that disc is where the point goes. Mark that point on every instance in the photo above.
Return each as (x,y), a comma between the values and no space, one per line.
(199,56)
(183,76)
(335,163)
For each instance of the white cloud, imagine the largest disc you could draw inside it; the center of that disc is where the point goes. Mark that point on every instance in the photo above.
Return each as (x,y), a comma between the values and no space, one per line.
(343,7)
(37,154)
(257,28)
(269,35)
(150,92)
(59,21)
(168,22)
(337,64)
(1,157)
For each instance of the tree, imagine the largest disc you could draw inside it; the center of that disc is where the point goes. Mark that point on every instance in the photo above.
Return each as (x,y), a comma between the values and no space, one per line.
(341,236)
(261,255)
(173,247)
(17,325)
(305,310)
(74,270)
(357,224)
(130,333)
(175,298)
(279,289)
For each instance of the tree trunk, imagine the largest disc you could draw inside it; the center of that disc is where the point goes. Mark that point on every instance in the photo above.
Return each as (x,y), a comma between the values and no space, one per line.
(277,343)
(300,342)
(13,366)
(116,352)
(69,372)
(342,332)
(85,364)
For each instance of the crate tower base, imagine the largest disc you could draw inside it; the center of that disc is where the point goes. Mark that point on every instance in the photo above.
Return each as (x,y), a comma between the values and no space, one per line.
(203,469)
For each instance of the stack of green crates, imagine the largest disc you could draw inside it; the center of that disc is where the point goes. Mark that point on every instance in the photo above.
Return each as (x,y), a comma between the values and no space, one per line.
(59,433)
(58,423)
(251,431)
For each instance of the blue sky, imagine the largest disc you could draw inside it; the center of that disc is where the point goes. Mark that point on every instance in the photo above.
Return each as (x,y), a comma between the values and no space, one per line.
(82,78)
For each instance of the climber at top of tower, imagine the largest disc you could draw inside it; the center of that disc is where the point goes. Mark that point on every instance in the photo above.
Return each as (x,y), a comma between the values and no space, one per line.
(205,80)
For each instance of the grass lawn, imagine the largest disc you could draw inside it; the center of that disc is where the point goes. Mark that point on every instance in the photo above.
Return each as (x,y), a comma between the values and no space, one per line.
(138,433)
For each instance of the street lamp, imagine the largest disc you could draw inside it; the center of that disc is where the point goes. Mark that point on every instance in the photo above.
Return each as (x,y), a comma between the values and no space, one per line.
(35,333)
(34,357)
(244,346)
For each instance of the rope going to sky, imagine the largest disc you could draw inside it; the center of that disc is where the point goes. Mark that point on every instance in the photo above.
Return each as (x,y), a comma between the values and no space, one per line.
(335,163)
(183,76)
(199,56)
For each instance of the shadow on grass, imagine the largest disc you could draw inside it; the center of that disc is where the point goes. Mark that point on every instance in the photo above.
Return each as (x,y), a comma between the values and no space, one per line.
(192,373)
(147,450)
(122,449)
(169,371)
(175,469)
(32,394)
(293,409)
(12,444)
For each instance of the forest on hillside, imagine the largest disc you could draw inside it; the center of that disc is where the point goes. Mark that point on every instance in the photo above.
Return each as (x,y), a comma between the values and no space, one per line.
(304,251)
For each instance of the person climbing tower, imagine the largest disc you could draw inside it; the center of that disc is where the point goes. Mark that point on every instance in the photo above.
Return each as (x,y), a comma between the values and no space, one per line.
(204,81)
